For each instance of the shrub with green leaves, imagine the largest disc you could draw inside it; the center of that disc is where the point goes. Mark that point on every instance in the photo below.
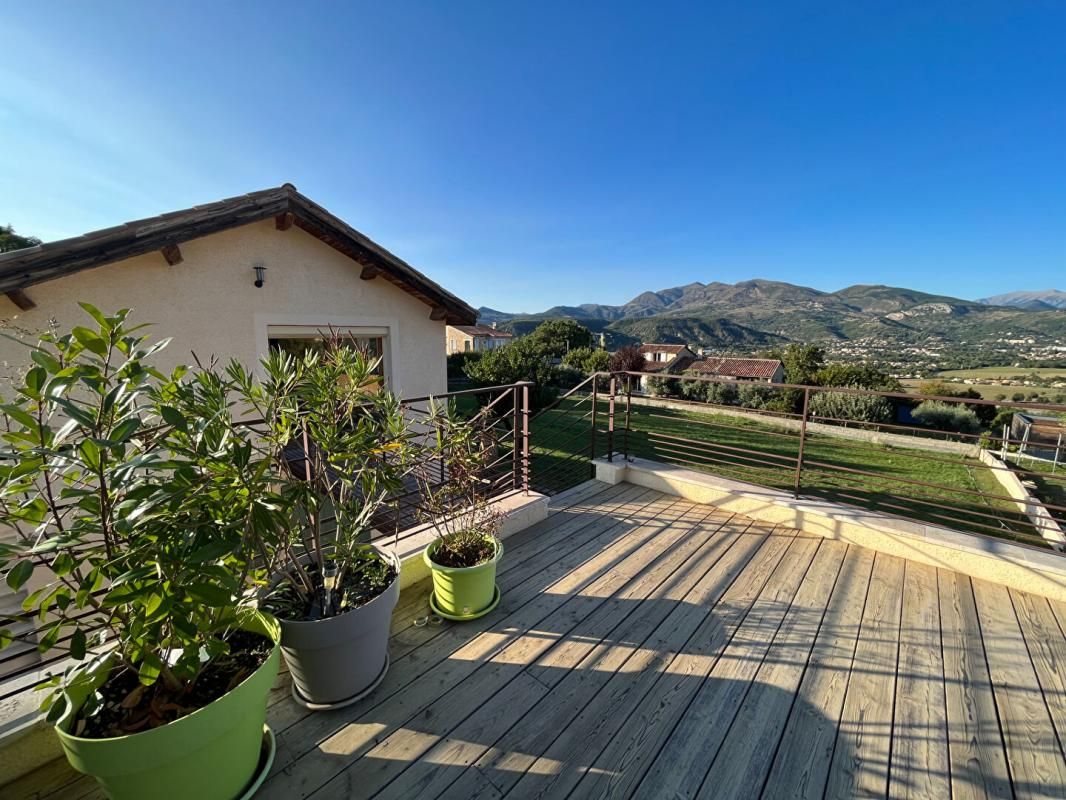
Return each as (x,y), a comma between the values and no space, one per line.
(137,501)
(946,417)
(588,360)
(845,406)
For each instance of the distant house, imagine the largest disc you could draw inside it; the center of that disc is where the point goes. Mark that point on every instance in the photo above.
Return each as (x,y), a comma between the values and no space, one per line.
(237,278)
(668,358)
(768,370)
(475,338)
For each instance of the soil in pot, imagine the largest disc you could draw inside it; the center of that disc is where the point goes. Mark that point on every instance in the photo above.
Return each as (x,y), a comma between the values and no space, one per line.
(129,707)
(368,576)
(463,550)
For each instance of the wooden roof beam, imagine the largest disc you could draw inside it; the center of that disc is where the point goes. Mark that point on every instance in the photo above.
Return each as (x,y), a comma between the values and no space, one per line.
(369,272)
(172,254)
(438,313)
(21,299)
(284,221)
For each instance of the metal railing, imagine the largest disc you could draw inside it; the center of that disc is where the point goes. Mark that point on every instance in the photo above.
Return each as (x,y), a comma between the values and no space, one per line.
(786,436)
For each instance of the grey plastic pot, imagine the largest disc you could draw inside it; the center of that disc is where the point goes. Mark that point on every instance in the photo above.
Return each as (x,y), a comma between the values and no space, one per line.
(335,661)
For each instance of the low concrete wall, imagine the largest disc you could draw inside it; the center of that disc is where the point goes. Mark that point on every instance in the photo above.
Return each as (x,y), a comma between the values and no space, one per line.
(858,434)
(1018,566)
(1027,504)
(27,741)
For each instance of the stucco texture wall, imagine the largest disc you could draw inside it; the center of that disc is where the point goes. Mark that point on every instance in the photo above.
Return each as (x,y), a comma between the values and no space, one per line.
(209,305)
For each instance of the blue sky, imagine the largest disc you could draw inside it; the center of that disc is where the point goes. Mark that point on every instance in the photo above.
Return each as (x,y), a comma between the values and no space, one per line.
(526,155)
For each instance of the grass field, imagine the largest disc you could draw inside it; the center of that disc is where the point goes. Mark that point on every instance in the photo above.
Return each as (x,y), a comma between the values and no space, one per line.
(762,453)
(994,373)
(988,391)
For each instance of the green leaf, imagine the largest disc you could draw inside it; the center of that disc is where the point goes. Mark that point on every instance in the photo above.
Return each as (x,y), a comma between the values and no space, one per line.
(173,417)
(96,314)
(90,340)
(45,359)
(77,645)
(19,574)
(210,552)
(90,454)
(35,381)
(150,669)
(209,594)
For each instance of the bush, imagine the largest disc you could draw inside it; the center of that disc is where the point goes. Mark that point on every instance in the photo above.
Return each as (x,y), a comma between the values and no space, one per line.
(588,360)
(695,391)
(856,376)
(946,417)
(841,405)
(722,394)
(457,363)
(664,387)
(756,395)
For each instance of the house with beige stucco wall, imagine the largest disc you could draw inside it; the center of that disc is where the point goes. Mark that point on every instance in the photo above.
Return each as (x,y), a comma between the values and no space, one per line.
(232,278)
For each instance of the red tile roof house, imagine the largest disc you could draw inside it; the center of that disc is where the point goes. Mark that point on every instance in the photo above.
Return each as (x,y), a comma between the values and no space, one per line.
(769,370)
(670,358)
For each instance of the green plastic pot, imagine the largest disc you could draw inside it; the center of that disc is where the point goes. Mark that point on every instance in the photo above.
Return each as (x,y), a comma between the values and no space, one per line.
(463,592)
(210,754)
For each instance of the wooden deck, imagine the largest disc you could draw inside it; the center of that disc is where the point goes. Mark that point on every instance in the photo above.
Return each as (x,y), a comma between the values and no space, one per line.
(649,647)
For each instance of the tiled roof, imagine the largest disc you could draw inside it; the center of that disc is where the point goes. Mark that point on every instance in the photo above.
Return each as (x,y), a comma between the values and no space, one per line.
(482,330)
(662,348)
(737,367)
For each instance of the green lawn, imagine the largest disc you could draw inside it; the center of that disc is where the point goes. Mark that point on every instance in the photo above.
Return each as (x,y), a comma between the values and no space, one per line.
(561,443)
(994,373)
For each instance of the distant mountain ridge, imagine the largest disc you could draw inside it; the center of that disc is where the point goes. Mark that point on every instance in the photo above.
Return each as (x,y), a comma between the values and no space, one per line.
(763,312)
(1033,301)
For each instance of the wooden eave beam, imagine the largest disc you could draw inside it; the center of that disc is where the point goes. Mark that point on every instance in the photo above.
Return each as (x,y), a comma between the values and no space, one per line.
(438,313)
(21,299)
(284,220)
(369,272)
(172,254)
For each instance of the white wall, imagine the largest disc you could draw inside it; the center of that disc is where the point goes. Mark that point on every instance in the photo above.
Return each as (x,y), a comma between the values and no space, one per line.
(209,305)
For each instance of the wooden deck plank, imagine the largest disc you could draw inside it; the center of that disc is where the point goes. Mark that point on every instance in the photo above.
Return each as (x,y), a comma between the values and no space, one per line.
(1033,753)
(433,669)
(801,763)
(585,535)
(1047,648)
(621,764)
(919,763)
(589,707)
(680,766)
(742,763)
(978,762)
(614,608)
(635,612)
(860,757)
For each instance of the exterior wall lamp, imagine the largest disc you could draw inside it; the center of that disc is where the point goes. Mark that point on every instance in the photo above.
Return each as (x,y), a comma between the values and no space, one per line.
(260,275)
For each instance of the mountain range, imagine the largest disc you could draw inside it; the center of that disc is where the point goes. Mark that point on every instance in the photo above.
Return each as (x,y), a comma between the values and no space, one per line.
(1034,301)
(758,313)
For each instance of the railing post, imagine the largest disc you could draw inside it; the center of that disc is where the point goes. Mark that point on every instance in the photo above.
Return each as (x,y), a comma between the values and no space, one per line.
(803,439)
(525,437)
(515,411)
(629,405)
(610,421)
(592,444)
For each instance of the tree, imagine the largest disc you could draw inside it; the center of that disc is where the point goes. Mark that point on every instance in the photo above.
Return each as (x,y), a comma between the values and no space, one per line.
(588,360)
(800,361)
(9,240)
(457,362)
(521,360)
(936,388)
(627,359)
(856,376)
(556,337)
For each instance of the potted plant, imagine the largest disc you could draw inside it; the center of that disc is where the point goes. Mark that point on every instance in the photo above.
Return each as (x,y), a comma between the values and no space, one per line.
(134,505)
(343,443)
(456,494)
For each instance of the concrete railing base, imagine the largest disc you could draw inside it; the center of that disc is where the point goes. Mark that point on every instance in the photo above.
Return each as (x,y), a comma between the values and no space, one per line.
(1018,566)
